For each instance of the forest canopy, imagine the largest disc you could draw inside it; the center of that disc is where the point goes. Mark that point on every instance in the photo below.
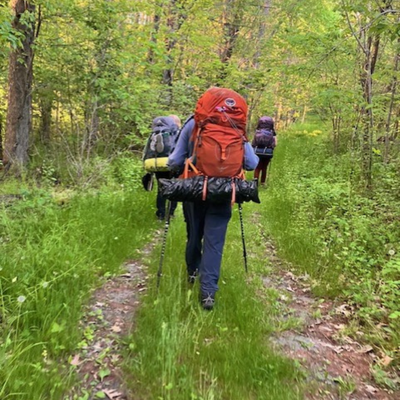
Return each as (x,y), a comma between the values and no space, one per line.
(85,78)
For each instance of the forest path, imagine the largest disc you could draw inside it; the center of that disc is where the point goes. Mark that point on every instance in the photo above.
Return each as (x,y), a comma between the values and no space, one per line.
(337,367)
(109,317)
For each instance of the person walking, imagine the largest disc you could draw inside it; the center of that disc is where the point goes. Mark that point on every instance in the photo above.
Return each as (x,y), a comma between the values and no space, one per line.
(161,201)
(264,143)
(206,221)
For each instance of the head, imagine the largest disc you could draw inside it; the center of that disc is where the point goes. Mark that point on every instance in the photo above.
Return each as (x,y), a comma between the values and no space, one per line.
(265,123)
(176,119)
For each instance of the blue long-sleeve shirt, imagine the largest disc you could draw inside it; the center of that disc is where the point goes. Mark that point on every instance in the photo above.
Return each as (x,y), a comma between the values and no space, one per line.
(184,147)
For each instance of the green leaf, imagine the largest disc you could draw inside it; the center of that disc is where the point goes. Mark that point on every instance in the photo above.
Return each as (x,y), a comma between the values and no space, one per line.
(394,315)
(56,328)
(103,373)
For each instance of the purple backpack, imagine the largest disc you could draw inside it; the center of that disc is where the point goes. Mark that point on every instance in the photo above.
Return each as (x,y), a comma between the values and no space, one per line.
(264,138)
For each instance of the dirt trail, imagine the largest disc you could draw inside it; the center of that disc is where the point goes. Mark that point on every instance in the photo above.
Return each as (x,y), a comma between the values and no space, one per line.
(109,317)
(337,366)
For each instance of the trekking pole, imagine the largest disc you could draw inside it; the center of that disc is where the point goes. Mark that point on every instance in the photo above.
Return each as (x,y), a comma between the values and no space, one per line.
(166,228)
(243,241)
(268,171)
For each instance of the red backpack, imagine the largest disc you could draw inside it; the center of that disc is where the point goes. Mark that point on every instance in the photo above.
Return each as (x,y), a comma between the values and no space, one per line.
(219,134)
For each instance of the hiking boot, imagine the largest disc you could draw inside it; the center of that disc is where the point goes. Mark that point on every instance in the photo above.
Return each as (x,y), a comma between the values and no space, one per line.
(160,215)
(207,301)
(192,277)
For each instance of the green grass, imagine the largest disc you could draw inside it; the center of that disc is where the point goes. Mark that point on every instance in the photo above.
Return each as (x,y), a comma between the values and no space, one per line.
(180,351)
(324,223)
(51,257)
(54,250)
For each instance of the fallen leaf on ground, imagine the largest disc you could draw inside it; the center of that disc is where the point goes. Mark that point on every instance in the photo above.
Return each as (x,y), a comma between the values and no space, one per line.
(116,329)
(371,389)
(291,276)
(75,360)
(112,394)
(340,327)
(343,309)
(365,349)
(386,361)
(326,328)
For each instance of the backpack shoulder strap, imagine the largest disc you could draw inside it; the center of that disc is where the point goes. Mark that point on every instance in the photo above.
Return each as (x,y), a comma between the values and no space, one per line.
(191,116)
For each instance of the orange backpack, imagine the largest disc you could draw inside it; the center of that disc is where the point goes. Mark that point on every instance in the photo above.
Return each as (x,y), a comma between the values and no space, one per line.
(219,137)
(219,134)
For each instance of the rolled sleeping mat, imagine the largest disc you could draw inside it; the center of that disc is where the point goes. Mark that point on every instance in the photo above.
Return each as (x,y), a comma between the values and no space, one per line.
(218,190)
(156,164)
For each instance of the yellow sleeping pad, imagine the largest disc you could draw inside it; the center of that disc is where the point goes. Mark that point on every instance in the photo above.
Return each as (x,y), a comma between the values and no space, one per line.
(156,164)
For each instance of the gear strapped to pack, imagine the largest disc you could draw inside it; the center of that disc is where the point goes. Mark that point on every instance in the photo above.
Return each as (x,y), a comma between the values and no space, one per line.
(160,144)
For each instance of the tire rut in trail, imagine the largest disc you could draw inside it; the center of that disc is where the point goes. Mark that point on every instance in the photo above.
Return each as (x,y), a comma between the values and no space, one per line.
(108,318)
(337,366)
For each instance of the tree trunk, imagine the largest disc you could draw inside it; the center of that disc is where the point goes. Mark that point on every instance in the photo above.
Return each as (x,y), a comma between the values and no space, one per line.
(18,124)
(92,127)
(231,24)
(153,39)
(1,137)
(46,106)
(396,127)
(278,115)
(173,26)
(304,114)
(177,15)
(261,31)
(390,112)
(368,43)
(371,55)
(336,121)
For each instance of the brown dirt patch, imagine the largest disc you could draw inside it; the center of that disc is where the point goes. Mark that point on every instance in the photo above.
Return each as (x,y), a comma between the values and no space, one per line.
(109,317)
(337,366)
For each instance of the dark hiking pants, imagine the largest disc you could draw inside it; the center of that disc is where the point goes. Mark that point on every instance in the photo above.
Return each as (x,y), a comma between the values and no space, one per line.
(262,168)
(206,225)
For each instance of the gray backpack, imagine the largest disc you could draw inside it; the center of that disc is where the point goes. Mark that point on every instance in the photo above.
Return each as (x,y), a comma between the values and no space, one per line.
(162,139)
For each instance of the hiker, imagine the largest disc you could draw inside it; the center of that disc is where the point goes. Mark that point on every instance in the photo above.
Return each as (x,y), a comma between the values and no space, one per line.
(161,201)
(207,221)
(263,143)
(162,140)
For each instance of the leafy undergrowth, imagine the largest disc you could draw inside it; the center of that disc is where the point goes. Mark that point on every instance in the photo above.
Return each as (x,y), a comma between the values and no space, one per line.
(345,239)
(180,351)
(53,252)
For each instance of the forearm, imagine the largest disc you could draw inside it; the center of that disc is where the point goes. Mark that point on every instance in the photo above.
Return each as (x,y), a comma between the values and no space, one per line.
(250,159)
